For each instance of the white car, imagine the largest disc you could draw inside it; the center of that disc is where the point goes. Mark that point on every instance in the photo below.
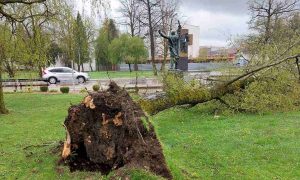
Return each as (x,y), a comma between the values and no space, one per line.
(59,74)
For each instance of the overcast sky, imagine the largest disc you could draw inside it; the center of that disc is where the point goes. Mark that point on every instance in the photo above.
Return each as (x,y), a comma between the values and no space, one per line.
(218,20)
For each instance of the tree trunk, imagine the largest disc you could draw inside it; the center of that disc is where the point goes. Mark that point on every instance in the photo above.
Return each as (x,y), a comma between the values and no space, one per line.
(78,67)
(163,65)
(10,69)
(91,67)
(136,67)
(129,66)
(3,109)
(154,106)
(82,69)
(151,33)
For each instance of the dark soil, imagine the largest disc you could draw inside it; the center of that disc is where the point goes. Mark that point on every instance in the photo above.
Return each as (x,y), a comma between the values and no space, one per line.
(112,133)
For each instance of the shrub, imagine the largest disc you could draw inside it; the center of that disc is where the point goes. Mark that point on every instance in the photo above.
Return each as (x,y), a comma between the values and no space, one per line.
(83,90)
(44,88)
(65,90)
(96,87)
(275,93)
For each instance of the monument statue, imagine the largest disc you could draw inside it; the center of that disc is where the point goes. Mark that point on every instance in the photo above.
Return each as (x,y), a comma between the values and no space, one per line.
(184,43)
(174,45)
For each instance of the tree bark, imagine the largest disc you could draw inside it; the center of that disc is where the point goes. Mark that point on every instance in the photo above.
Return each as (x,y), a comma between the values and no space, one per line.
(129,66)
(3,109)
(151,33)
(136,67)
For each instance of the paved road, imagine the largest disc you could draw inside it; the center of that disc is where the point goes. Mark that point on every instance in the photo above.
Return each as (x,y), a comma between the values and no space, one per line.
(122,82)
(146,84)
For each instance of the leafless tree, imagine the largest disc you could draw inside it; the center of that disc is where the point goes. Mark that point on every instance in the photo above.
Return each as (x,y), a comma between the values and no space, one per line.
(266,12)
(168,10)
(7,6)
(131,12)
(151,19)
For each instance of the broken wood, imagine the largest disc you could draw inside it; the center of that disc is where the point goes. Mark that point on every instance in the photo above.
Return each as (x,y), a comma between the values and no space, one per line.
(67,145)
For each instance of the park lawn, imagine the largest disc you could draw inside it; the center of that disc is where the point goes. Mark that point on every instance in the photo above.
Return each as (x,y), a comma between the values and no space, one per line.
(196,145)
(241,146)
(23,75)
(120,74)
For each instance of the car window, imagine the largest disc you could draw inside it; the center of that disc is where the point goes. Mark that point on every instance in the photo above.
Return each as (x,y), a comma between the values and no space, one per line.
(56,70)
(67,70)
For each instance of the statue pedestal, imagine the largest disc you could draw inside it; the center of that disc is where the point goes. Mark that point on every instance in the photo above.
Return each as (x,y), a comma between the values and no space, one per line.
(183,64)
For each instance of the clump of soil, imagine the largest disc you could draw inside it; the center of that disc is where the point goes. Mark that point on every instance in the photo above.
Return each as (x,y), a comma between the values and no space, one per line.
(107,131)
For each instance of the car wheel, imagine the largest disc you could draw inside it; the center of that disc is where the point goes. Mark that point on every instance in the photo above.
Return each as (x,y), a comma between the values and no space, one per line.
(52,80)
(81,80)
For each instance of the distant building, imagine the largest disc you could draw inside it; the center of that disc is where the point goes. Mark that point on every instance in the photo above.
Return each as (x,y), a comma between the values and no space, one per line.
(211,53)
(194,32)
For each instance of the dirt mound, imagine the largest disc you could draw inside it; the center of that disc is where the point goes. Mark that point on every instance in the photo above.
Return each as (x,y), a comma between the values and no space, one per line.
(107,131)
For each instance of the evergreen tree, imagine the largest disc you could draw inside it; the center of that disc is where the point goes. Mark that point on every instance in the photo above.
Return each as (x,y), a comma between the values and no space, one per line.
(107,34)
(81,50)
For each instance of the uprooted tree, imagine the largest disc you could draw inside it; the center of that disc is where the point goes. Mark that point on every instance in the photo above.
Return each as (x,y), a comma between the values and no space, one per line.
(194,95)
(273,56)
(108,131)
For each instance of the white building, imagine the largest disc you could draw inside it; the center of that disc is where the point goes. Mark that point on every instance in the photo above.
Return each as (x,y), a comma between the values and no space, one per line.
(193,51)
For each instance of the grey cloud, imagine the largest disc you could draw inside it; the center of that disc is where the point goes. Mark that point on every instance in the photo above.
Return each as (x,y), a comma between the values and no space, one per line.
(237,7)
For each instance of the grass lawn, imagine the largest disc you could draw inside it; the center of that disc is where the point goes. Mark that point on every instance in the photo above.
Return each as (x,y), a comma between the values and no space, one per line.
(93,75)
(120,74)
(196,145)
(23,75)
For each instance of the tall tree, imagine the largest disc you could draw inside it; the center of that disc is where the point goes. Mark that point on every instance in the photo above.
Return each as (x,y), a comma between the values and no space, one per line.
(151,19)
(107,33)
(81,50)
(3,109)
(127,49)
(265,14)
(168,11)
(7,11)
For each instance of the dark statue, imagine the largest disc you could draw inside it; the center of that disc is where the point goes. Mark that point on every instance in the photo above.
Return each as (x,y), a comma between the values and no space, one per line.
(174,45)
(184,43)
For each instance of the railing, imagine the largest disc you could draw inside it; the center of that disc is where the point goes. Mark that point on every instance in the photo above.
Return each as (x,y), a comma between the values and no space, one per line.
(20,83)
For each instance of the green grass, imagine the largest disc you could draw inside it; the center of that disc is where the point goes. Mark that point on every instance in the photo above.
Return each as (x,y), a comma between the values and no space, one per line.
(120,74)
(236,147)
(196,145)
(35,121)
(23,75)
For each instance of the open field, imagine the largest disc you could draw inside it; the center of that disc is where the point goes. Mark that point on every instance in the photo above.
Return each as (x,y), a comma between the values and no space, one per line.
(120,74)
(23,75)
(196,145)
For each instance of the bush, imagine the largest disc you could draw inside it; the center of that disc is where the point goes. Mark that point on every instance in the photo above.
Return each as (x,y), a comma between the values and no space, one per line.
(65,90)
(275,93)
(83,90)
(44,88)
(96,87)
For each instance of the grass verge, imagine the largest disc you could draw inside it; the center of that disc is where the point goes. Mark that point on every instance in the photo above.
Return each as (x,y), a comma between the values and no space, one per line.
(196,145)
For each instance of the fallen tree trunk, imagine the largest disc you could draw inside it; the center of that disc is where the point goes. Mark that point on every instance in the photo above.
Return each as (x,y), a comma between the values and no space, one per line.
(155,105)
(107,131)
